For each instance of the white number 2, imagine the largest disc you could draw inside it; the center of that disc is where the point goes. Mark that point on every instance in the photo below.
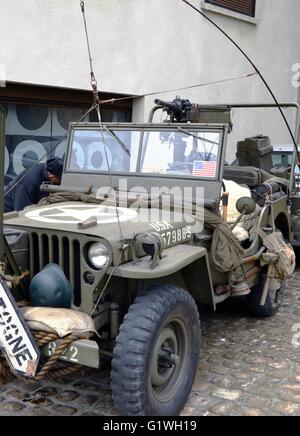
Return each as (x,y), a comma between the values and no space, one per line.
(73,352)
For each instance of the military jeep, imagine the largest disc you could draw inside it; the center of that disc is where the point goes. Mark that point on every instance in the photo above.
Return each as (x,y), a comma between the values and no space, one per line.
(128,227)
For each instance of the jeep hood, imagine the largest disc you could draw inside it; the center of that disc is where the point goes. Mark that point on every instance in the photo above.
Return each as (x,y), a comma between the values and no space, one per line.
(65,217)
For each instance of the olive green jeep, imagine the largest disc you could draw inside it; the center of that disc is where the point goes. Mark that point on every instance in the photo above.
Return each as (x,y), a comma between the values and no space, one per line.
(141,229)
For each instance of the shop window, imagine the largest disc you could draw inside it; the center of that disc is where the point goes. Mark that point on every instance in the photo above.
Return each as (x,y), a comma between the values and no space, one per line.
(33,130)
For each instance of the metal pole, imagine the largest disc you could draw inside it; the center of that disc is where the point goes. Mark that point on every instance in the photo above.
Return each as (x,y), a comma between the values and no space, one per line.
(152,112)
(284,105)
(2,157)
(295,157)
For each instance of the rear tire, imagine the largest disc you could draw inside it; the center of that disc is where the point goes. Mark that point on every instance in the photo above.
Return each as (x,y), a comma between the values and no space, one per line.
(156,354)
(273,301)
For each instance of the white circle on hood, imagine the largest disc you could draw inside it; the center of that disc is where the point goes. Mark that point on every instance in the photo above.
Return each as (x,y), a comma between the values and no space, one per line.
(74,214)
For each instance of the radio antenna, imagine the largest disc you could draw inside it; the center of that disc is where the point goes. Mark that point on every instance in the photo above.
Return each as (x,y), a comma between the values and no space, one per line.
(255,68)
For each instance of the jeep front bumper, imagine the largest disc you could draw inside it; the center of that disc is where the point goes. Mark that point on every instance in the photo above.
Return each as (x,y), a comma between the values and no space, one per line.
(81,352)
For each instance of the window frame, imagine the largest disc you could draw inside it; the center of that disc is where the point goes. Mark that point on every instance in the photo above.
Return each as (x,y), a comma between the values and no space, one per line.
(211,7)
(144,129)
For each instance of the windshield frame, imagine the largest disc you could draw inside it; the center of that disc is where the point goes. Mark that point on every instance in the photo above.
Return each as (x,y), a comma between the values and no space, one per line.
(145,128)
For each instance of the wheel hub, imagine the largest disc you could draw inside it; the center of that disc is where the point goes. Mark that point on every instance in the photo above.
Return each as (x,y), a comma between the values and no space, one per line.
(165,357)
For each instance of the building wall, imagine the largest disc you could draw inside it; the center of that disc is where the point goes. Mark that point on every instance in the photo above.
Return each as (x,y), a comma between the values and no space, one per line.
(142,46)
(299,105)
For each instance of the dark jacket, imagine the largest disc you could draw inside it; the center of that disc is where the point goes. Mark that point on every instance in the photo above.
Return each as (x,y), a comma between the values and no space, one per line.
(22,192)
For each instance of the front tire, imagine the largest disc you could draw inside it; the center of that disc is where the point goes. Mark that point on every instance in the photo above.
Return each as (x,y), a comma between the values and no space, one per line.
(156,354)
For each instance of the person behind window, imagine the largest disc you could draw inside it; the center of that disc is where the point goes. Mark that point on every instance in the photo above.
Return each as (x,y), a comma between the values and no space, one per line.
(25,189)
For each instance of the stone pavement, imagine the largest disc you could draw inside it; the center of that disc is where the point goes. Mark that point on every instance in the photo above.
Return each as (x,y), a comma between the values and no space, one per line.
(247,367)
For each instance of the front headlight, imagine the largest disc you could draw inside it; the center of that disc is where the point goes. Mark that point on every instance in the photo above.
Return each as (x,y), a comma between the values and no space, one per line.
(98,255)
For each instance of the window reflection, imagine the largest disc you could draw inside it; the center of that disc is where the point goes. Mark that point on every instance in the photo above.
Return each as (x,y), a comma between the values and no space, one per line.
(94,151)
(33,130)
(191,153)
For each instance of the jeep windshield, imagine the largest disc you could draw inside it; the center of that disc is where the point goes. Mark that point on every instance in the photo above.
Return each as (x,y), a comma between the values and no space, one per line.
(182,151)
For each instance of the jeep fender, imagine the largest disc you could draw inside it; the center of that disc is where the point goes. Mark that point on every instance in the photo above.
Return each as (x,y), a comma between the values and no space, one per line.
(191,261)
(281,216)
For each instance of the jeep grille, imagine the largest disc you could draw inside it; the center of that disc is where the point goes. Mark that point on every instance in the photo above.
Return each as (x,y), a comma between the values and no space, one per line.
(62,250)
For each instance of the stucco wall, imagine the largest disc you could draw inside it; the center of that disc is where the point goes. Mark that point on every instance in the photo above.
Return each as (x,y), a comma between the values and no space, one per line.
(140,46)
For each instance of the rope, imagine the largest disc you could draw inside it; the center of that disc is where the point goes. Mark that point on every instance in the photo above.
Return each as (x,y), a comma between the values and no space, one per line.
(63,371)
(43,338)
(56,355)
(52,367)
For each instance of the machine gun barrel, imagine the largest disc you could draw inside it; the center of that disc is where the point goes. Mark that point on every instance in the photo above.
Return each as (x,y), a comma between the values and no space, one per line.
(177,109)
(170,105)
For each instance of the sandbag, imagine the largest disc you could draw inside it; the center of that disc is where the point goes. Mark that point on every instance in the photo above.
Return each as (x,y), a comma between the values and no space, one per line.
(61,321)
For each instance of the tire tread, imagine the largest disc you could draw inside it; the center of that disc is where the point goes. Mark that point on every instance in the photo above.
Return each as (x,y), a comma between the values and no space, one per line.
(128,372)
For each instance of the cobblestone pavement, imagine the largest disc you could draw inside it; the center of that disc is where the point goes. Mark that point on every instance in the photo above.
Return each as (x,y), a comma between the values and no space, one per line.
(247,367)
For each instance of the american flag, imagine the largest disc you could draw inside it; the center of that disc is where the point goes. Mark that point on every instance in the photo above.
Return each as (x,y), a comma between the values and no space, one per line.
(205,169)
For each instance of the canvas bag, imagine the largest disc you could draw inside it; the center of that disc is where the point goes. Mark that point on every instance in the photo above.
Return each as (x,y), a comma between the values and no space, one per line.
(276,244)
